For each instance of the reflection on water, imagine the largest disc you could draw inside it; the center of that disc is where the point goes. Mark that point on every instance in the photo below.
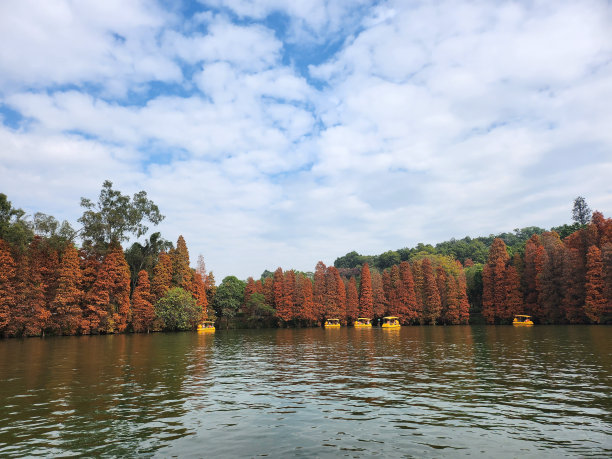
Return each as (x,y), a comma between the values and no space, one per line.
(417,391)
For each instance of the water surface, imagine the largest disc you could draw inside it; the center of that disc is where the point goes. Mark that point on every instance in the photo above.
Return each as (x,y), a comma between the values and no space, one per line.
(419,391)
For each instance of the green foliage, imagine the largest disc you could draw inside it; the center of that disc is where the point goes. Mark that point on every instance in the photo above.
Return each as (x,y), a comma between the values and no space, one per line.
(473,278)
(476,249)
(141,257)
(178,310)
(115,217)
(57,235)
(350,260)
(14,228)
(388,259)
(260,309)
(229,296)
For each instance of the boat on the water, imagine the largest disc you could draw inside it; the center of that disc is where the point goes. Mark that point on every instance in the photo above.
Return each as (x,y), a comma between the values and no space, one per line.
(363,322)
(390,322)
(332,323)
(521,320)
(206,326)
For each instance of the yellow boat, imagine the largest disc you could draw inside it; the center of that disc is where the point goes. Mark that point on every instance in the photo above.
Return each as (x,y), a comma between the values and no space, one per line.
(207,326)
(391,322)
(332,323)
(522,320)
(363,322)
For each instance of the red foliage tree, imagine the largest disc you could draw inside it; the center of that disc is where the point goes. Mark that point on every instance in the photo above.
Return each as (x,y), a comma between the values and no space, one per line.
(335,294)
(444,284)
(199,293)
(268,291)
(493,281)
(366,299)
(409,312)
(66,306)
(532,267)
(319,290)
(305,299)
(162,276)
(142,306)
(513,301)
(451,311)
(352,301)
(181,272)
(606,255)
(550,279)
(432,305)
(595,304)
(286,312)
(279,292)
(7,286)
(107,304)
(36,274)
(419,290)
(249,289)
(573,297)
(462,315)
(395,292)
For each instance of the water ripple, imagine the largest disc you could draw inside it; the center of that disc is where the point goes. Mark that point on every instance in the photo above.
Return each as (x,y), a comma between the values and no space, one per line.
(419,391)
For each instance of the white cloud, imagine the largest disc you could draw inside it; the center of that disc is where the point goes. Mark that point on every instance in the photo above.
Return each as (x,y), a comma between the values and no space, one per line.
(250,48)
(309,20)
(59,42)
(435,120)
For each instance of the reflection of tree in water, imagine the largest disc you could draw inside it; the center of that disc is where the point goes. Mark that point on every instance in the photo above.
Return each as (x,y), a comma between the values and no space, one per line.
(116,394)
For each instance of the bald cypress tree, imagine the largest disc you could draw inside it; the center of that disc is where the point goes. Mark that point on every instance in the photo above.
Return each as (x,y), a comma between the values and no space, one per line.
(7,286)
(595,304)
(66,306)
(162,276)
(181,272)
(366,299)
(432,305)
(142,306)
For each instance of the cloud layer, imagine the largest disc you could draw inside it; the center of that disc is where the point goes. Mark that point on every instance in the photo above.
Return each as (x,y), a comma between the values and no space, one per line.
(274,135)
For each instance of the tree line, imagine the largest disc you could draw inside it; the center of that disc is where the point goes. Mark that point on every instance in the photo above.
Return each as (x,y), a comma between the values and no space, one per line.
(49,285)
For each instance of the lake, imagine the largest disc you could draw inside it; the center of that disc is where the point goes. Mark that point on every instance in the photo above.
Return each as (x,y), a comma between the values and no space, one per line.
(544,391)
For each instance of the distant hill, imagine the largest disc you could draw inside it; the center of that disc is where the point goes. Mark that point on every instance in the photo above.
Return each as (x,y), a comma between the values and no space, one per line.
(476,249)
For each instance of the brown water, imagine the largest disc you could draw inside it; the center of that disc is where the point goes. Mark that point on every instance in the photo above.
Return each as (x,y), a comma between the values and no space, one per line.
(420,391)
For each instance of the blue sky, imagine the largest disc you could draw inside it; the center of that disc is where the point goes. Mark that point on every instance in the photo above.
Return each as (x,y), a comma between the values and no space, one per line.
(276,133)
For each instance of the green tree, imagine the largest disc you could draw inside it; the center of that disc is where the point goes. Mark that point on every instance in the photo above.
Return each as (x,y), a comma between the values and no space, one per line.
(350,260)
(258,307)
(58,236)
(145,256)
(14,228)
(229,297)
(115,217)
(178,310)
(581,213)
(388,259)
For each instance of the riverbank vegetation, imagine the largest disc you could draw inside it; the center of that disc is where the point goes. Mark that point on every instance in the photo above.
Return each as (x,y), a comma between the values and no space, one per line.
(49,285)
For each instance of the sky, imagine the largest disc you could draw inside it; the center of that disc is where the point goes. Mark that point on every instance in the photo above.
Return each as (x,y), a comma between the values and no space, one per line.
(274,133)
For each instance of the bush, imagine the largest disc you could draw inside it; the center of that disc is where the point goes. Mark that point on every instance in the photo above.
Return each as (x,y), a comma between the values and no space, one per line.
(178,310)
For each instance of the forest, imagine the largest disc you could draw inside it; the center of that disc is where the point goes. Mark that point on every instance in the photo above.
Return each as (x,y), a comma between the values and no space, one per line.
(49,285)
